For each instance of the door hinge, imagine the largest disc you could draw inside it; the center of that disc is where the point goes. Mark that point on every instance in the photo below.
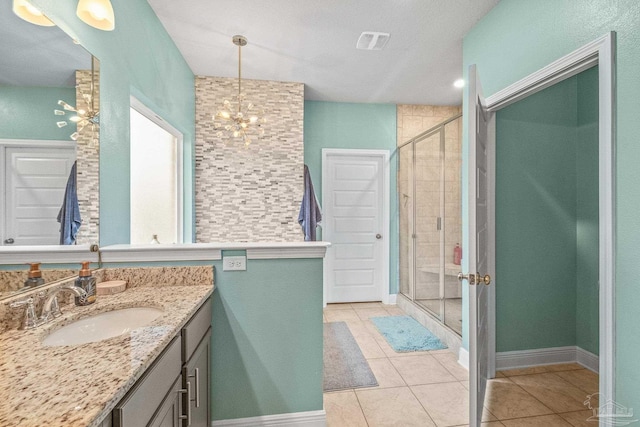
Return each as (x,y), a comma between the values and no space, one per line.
(439,224)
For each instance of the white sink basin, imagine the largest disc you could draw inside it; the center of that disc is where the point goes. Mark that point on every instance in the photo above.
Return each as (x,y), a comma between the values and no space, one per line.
(102,326)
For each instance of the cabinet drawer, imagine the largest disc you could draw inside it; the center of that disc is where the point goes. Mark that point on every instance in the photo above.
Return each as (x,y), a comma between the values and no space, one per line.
(139,405)
(193,331)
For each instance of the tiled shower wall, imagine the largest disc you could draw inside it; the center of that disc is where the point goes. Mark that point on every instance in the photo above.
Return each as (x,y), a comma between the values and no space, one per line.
(88,163)
(249,193)
(413,120)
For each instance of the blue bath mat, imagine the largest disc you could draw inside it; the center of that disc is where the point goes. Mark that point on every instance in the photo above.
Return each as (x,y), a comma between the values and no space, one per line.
(405,334)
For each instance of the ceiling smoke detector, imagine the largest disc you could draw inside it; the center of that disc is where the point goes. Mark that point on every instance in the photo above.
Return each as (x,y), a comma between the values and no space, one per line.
(371,40)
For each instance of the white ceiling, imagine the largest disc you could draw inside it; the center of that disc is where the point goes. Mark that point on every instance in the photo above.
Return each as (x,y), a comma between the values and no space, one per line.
(313,42)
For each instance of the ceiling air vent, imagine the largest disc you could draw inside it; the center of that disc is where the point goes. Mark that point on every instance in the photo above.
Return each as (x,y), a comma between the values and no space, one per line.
(371,40)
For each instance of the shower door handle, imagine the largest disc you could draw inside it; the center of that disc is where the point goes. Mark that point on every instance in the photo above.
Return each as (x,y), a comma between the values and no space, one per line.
(470,277)
(475,278)
(378,236)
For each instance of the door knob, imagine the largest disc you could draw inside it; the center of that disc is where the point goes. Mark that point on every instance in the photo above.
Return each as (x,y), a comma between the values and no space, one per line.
(9,241)
(486,279)
(378,236)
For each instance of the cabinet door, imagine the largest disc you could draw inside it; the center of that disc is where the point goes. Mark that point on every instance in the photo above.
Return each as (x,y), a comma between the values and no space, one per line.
(196,376)
(170,411)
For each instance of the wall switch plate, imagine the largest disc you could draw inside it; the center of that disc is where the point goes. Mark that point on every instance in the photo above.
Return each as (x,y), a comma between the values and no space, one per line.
(234,263)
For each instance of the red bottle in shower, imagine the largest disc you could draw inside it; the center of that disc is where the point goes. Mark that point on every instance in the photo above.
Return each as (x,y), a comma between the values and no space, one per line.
(457,254)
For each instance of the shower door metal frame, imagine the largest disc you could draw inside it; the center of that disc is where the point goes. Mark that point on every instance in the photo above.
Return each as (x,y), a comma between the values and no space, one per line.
(439,128)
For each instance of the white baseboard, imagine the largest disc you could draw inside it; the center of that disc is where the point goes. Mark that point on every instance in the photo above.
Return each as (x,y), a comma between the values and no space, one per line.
(463,357)
(390,299)
(294,419)
(588,359)
(545,356)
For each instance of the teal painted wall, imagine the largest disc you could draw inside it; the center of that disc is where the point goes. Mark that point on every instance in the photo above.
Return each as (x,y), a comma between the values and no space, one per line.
(587,271)
(266,355)
(27,112)
(517,38)
(137,58)
(354,126)
(536,220)
(267,339)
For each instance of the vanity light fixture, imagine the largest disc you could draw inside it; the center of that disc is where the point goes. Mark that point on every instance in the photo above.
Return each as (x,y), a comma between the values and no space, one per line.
(29,13)
(237,120)
(459,83)
(97,13)
(82,117)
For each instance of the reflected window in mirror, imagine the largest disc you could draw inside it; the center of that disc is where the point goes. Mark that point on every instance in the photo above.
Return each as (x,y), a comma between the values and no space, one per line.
(156,178)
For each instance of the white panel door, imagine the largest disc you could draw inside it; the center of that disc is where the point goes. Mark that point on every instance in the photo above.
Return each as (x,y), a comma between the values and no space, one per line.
(478,249)
(353,221)
(35,181)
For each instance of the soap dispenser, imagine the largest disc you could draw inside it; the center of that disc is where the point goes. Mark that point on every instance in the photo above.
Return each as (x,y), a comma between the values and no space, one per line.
(88,283)
(35,276)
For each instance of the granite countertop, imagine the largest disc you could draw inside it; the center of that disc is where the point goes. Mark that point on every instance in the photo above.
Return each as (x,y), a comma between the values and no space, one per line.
(79,385)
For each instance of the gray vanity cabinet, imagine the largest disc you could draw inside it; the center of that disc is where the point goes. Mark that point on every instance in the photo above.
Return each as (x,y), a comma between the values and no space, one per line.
(170,412)
(196,375)
(196,352)
(140,405)
(174,391)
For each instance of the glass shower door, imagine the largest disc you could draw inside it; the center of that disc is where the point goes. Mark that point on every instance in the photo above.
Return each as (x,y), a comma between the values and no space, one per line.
(428,224)
(452,236)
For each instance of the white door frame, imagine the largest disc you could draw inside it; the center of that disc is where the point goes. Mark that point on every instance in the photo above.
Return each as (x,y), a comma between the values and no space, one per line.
(23,143)
(385,156)
(600,52)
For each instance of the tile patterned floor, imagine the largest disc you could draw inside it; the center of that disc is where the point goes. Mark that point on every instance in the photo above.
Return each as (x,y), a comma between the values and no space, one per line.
(430,388)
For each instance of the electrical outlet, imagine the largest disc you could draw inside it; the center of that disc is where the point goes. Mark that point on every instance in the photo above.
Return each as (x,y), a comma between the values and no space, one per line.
(234,263)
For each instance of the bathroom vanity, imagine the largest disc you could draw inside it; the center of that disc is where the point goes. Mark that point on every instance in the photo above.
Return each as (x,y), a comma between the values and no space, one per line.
(156,374)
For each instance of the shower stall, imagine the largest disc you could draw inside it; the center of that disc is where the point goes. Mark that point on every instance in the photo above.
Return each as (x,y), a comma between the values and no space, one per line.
(430,205)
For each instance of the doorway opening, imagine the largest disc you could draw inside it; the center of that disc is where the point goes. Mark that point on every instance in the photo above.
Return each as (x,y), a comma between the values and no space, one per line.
(482,137)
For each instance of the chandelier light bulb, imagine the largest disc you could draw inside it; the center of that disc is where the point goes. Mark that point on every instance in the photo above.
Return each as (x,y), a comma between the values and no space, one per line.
(233,116)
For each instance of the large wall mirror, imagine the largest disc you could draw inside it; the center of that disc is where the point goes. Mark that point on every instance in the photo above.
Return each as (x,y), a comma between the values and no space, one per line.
(41,141)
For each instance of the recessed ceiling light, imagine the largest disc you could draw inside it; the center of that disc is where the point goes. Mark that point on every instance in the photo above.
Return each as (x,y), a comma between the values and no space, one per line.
(371,40)
(459,83)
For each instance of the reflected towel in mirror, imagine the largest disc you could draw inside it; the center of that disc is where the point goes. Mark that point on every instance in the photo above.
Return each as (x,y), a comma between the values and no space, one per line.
(69,215)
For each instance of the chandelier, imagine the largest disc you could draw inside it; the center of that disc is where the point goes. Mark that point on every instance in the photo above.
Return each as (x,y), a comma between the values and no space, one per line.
(238,117)
(89,116)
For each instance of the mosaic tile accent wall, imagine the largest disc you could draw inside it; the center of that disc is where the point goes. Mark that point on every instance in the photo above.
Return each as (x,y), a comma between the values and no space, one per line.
(88,169)
(250,193)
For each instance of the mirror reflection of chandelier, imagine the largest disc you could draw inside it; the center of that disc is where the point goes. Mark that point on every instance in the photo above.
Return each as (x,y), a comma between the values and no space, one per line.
(81,117)
(239,118)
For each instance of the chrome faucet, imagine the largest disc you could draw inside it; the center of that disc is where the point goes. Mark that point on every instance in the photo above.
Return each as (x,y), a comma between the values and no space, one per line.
(51,309)
(30,320)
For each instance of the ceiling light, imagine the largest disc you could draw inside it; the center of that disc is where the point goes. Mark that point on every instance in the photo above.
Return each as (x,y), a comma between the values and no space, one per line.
(459,83)
(235,120)
(371,40)
(97,13)
(26,11)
